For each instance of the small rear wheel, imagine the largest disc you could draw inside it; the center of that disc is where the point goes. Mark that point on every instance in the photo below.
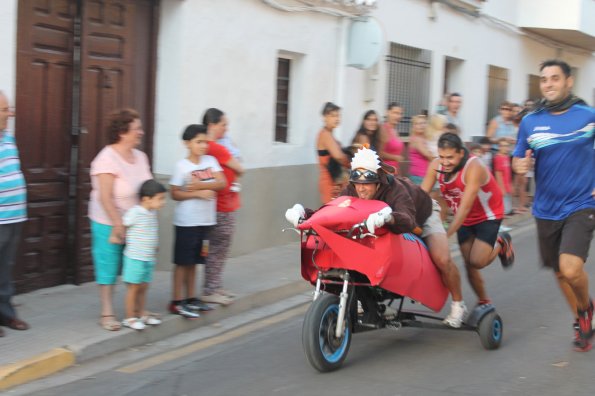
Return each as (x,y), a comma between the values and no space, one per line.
(490,331)
(324,350)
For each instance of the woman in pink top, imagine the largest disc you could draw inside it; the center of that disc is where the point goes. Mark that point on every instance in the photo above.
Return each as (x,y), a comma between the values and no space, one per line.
(419,153)
(116,175)
(391,146)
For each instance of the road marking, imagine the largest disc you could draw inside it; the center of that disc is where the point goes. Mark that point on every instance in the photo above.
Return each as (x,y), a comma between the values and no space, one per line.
(200,345)
(240,331)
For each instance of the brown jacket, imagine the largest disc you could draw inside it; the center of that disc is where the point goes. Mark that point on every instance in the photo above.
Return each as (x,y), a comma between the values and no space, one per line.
(411,205)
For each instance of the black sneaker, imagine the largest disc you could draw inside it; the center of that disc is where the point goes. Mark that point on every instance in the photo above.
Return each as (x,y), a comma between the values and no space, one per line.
(506,251)
(183,310)
(196,305)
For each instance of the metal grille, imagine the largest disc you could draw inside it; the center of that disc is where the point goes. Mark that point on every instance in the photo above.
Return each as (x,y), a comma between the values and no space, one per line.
(408,81)
(497,86)
(282,103)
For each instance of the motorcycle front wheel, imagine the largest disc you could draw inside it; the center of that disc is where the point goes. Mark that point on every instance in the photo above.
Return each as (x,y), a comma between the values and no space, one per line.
(324,350)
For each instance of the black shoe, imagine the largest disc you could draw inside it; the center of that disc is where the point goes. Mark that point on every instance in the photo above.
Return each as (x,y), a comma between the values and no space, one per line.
(506,251)
(183,310)
(196,305)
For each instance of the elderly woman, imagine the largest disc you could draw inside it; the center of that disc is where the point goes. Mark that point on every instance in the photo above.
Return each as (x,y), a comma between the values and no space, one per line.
(116,175)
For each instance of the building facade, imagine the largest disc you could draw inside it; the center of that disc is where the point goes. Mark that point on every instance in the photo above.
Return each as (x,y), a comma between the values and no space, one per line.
(270,65)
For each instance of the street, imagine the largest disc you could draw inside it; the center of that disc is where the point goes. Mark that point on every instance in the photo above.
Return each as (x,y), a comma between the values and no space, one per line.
(535,358)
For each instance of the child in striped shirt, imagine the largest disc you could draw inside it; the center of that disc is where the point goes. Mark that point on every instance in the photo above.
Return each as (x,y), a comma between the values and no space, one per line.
(139,253)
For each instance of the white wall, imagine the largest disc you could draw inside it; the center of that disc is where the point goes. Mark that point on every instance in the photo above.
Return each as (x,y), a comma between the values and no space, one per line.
(225,56)
(8,47)
(479,43)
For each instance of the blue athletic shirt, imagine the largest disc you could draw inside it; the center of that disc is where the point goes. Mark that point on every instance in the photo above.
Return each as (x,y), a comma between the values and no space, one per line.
(564,150)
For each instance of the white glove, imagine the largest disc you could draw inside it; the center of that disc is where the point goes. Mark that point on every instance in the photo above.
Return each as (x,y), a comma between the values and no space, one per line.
(295,213)
(378,219)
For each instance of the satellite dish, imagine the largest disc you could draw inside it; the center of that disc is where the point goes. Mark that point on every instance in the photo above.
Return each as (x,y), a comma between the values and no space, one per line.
(365,43)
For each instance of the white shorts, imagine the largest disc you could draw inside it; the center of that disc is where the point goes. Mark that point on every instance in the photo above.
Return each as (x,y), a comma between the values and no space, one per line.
(433,224)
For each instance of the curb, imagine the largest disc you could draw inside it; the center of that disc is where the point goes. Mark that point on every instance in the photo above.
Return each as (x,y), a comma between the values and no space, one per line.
(58,359)
(36,367)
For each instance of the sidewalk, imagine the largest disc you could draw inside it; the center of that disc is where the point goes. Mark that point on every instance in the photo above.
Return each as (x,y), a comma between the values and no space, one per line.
(64,319)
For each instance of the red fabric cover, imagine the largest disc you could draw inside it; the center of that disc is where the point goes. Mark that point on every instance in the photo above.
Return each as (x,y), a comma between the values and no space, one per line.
(396,262)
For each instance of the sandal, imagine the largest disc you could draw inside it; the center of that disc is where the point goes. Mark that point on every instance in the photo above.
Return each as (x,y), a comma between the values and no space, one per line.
(110,324)
(133,323)
(151,318)
(226,293)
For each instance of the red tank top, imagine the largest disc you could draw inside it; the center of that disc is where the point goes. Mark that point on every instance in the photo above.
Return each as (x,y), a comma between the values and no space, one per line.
(488,204)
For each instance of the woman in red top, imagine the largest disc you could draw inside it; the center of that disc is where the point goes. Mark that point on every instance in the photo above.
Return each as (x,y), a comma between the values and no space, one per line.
(475,198)
(228,202)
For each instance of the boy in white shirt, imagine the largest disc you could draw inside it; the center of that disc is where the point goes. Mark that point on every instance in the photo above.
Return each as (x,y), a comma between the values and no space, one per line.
(142,239)
(194,183)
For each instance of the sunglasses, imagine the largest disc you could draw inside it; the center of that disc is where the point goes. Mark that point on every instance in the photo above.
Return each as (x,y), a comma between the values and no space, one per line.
(369,176)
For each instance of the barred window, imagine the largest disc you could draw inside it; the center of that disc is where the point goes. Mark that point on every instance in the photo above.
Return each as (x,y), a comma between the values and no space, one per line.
(408,81)
(282,101)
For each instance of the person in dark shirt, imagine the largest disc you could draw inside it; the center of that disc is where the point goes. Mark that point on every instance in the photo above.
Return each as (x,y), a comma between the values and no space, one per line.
(411,210)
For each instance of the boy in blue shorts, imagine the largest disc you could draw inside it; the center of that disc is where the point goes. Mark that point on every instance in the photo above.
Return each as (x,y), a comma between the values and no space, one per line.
(139,254)
(194,183)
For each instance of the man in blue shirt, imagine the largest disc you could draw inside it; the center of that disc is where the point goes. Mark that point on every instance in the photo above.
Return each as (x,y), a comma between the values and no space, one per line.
(13,212)
(560,136)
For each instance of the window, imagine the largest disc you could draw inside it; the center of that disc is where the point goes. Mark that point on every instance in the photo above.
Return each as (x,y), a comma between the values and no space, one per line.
(408,81)
(497,90)
(282,101)
(534,90)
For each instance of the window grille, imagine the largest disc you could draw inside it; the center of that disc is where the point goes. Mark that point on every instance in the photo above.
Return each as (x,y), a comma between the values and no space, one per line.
(282,101)
(408,81)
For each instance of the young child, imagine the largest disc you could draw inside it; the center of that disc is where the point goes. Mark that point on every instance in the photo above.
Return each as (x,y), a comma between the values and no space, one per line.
(194,183)
(503,173)
(139,254)
(487,157)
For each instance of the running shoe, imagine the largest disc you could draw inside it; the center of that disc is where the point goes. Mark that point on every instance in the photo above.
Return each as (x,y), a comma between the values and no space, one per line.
(506,251)
(577,335)
(195,304)
(458,310)
(183,310)
(585,331)
(485,301)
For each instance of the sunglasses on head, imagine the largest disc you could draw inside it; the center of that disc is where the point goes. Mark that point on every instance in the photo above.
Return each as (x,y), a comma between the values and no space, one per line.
(368,176)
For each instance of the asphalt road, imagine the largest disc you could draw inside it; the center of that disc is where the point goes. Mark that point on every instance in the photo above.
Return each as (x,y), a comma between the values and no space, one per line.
(535,358)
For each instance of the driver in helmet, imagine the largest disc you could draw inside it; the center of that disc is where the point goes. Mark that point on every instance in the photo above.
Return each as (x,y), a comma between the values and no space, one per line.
(410,210)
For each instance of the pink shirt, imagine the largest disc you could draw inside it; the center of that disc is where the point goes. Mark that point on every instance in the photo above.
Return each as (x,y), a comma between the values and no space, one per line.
(393,145)
(128,179)
(418,163)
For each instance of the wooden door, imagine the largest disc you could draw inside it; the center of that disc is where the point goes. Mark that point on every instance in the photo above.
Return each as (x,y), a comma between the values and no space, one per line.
(77,61)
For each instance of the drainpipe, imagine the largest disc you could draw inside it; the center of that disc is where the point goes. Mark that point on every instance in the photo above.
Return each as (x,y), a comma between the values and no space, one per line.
(342,37)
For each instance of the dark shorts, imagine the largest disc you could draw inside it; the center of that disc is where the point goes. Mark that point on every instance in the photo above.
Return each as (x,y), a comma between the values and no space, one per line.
(571,235)
(486,231)
(191,245)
